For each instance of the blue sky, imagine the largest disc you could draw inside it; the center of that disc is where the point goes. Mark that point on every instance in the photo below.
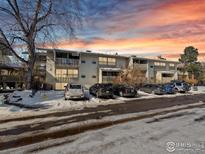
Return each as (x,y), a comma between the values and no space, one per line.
(141,27)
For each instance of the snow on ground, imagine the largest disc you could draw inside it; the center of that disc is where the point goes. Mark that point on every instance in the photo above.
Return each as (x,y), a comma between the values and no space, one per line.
(54,100)
(182,134)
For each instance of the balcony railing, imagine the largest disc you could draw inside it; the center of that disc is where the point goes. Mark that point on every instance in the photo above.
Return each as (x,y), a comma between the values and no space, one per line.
(108,79)
(66,61)
(10,78)
(8,62)
(140,66)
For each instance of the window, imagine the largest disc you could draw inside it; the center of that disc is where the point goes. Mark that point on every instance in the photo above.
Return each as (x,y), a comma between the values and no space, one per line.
(103,60)
(105,73)
(107,61)
(83,76)
(82,61)
(61,73)
(140,61)
(111,61)
(93,76)
(94,62)
(61,55)
(60,86)
(159,64)
(73,86)
(171,65)
(167,75)
(74,55)
(72,73)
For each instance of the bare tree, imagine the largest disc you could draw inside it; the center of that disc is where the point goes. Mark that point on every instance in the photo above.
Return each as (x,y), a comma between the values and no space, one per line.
(25,23)
(131,76)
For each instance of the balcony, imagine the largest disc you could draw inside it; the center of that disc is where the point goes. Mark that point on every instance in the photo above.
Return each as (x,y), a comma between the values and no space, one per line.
(10,78)
(67,62)
(62,79)
(108,79)
(140,66)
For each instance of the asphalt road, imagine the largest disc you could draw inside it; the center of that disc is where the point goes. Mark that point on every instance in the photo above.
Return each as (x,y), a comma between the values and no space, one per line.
(17,135)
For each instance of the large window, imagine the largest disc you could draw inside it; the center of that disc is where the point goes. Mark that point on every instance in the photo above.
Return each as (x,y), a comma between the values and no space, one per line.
(61,72)
(107,61)
(139,61)
(111,61)
(102,60)
(72,73)
(64,74)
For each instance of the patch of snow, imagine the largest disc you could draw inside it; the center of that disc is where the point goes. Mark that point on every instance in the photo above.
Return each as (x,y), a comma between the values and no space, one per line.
(141,137)
(54,100)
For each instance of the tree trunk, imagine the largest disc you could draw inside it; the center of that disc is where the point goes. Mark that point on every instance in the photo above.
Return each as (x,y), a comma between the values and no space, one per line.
(32,59)
(29,76)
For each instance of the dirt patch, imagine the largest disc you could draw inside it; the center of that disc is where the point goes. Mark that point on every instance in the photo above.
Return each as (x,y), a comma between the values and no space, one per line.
(200,119)
(170,117)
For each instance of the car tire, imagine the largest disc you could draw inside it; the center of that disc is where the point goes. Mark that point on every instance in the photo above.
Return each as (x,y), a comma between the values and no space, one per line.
(176,90)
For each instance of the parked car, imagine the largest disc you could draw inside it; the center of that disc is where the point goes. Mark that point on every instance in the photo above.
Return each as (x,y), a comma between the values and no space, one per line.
(102,90)
(169,88)
(187,86)
(124,90)
(179,86)
(74,91)
(153,88)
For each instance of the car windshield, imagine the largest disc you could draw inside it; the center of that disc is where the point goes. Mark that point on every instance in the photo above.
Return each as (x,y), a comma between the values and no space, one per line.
(179,84)
(74,86)
(168,85)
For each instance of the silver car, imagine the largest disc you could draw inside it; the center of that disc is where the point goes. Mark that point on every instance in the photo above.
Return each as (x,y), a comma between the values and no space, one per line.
(74,91)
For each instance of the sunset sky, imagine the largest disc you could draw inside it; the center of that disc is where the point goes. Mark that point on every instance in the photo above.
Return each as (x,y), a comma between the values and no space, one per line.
(143,27)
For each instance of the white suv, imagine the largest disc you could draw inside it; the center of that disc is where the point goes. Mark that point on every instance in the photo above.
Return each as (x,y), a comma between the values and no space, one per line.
(74,91)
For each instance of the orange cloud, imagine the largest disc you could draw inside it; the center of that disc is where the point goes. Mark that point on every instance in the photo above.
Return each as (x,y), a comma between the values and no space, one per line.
(175,12)
(166,30)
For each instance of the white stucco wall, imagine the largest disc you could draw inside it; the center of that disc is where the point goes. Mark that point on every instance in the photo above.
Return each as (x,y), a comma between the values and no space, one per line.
(88,69)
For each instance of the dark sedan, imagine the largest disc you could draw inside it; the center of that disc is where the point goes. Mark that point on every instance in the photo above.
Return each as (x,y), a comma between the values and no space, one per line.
(153,89)
(104,90)
(124,90)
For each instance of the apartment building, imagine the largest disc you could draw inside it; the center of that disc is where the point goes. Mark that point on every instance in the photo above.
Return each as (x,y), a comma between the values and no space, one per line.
(155,70)
(59,67)
(11,71)
(86,68)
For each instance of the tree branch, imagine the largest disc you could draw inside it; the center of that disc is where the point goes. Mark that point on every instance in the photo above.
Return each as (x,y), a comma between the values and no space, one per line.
(47,13)
(8,46)
(15,8)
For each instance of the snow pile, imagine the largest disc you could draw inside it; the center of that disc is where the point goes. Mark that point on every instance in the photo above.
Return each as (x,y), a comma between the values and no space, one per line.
(41,97)
(1,99)
(55,100)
